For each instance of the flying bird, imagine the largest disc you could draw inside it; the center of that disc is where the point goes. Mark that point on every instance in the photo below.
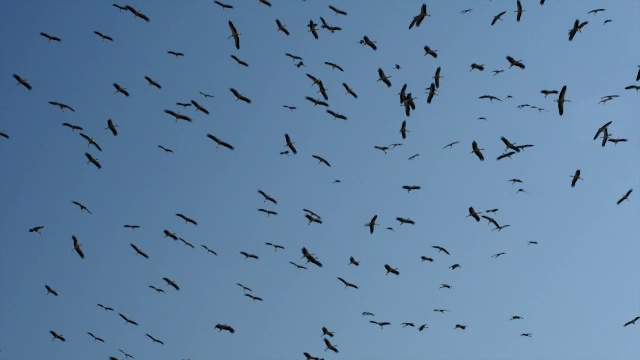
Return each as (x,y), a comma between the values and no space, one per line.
(497,17)
(275,246)
(127,320)
(505,155)
(93,160)
(112,127)
(624,197)
(239,96)
(310,258)
(50,290)
(632,322)
(575,177)
(298,266)
(95,338)
(106,308)
(391,270)
(72,126)
(168,233)
(225,327)
(514,62)
(577,27)
(366,41)
(171,282)
(178,116)
(371,224)
(476,150)
(209,250)
(312,29)
(441,249)
(61,105)
(334,66)
(50,37)
(240,62)
(254,298)
(268,212)
(138,13)
(337,11)
(223,5)
(561,100)
(186,219)
(220,142)
(321,160)
(103,36)
(336,115)
(353,261)
(167,150)
(138,251)
(235,35)
(281,27)
(381,324)
(475,66)
(289,143)
(22,81)
(509,145)
(405,221)
(330,346)
(155,340)
(519,11)
(384,78)
(429,51)
(417,20)
(56,336)
(81,206)
(347,284)
(411,187)
(248,255)
(267,197)
(37,229)
(76,246)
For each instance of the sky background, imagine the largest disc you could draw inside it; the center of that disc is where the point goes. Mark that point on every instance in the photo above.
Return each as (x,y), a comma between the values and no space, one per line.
(575,288)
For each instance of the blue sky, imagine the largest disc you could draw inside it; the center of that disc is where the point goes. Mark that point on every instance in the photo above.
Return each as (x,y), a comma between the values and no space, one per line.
(574,289)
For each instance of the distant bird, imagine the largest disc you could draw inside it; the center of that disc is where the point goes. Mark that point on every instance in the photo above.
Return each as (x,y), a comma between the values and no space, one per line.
(490,97)
(223,5)
(72,126)
(495,256)
(167,150)
(475,66)
(168,233)
(206,96)
(371,224)
(61,105)
(465,11)
(22,81)
(50,290)
(347,284)
(316,101)
(440,249)
(153,82)
(93,160)
(289,143)
(391,270)
(51,37)
(310,258)
(138,251)
(411,187)
(254,298)
(268,212)
(460,326)
(186,219)
(138,13)
(595,11)
(95,338)
(244,288)
(267,197)
(126,356)
(436,77)
(155,340)
(606,22)
(450,145)
(381,324)
(334,66)
(171,282)
(514,62)
(432,92)
(282,27)
(491,211)
(103,36)
(425,258)
(37,229)
(476,150)
(91,141)
(413,156)
(76,246)
(81,206)
(577,26)
(616,141)
(384,78)
(454,266)
(496,72)
(429,51)
(235,34)
(298,266)
(240,62)
(326,332)
(248,255)
(312,29)
(209,250)
(112,127)
(602,129)
(561,100)
(289,107)
(225,327)
(106,308)
(321,160)
(275,246)
(382,148)
(56,336)
(575,177)
(353,261)
(497,17)
(178,116)
(519,11)
(366,41)
(417,20)
(330,346)
(337,11)
(336,115)
(505,155)
(239,96)
(516,317)
(127,320)
(632,322)
(186,243)
(632,87)
(526,334)
(624,197)
(548,92)
(405,221)
(532,243)
(220,142)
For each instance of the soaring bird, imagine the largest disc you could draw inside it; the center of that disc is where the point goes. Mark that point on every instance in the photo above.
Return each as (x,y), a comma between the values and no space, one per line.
(381,324)
(50,290)
(505,155)
(209,250)
(275,246)
(450,145)
(95,338)
(366,41)
(475,66)
(384,78)
(429,51)
(337,11)
(50,37)
(316,101)
(239,96)
(411,187)
(405,221)
(391,270)
(225,327)
(171,282)
(425,258)
(417,20)
(561,100)
(334,66)
(267,197)
(81,206)
(268,212)
(254,298)
(223,5)
(436,77)
(56,336)
(127,320)
(168,233)
(403,129)
(289,143)
(575,177)
(240,62)
(349,90)
(138,13)
(632,322)
(91,141)
(61,105)
(220,142)
(440,249)
(282,27)
(519,11)
(577,27)
(22,81)
(476,150)
(37,229)
(167,150)
(178,116)
(93,160)
(514,62)
(72,126)
(155,340)
(321,160)
(103,36)
(347,284)
(249,255)
(326,332)
(371,224)
(76,246)
(497,17)
(625,197)
(336,115)
(106,308)
(310,257)
(602,129)
(353,261)
(312,29)
(138,251)
(460,326)
(112,127)
(330,346)
(235,34)
(509,145)
(432,92)
(186,219)
(298,266)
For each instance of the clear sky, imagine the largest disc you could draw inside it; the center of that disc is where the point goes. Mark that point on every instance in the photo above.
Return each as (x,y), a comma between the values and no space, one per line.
(574,289)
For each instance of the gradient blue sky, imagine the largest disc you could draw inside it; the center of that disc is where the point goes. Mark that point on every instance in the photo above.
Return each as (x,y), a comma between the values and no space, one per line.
(575,288)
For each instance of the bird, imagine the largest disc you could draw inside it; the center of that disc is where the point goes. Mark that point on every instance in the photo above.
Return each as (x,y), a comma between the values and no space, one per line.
(268,212)
(436,77)
(432,92)
(491,211)
(336,115)
(235,34)
(91,141)
(441,249)
(93,160)
(532,243)
(476,150)
(632,322)
(602,129)
(405,221)
(490,97)
(516,317)
(422,327)
(289,107)
(37,229)
(561,100)
(507,154)
(429,51)
(220,142)
(186,219)
(497,255)
(239,96)
(50,290)
(417,20)
(353,261)
(267,197)
(50,37)
(475,66)
(413,156)
(334,66)
(330,346)
(326,332)
(275,246)
(240,62)
(519,11)
(624,197)
(106,308)
(282,27)
(496,72)
(95,338)
(298,266)
(127,320)
(56,336)
(616,141)
(372,223)
(454,266)
(167,150)
(171,282)
(548,92)
(81,206)
(126,356)
(526,334)
(577,26)
(223,5)
(248,255)
(391,270)
(244,288)
(103,36)
(22,81)
(514,62)
(347,284)
(312,29)
(254,298)
(76,246)
(595,11)
(384,78)
(366,41)
(575,177)
(138,13)
(112,127)
(411,187)
(450,145)
(497,17)
(337,11)
(186,243)
(460,326)
(382,148)
(153,82)
(289,143)
(321,160)
(425,258)
(349,90)
(178,116)
(381,324)
(209,250)
(310,258)
(155,340)
(225,327)
(61,105)
(168,233)
(138,251)
(72,126)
